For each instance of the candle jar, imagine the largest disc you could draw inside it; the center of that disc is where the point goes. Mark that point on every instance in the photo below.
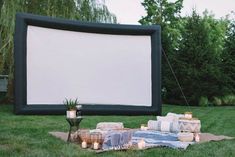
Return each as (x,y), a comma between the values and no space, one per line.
(84,135)
(143,127)
(96,139)
(197,137)
(95,145)
(84,144)
(141,144)
(188,115)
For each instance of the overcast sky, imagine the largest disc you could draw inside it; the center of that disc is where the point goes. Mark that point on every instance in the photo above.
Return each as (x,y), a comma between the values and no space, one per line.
(130,11)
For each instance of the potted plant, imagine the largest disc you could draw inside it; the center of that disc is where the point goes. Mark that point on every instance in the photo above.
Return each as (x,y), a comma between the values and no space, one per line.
(71,107)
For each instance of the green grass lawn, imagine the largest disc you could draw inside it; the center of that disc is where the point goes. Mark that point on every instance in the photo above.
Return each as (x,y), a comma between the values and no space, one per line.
(28,135)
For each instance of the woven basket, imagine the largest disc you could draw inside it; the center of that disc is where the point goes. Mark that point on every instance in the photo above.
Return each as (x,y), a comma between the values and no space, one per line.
(84,135)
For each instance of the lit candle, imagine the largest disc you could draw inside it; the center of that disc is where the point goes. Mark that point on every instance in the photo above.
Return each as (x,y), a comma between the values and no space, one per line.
(143,127)
(197,137)
(96,145)
(84,144)
(188,115)
(141,144)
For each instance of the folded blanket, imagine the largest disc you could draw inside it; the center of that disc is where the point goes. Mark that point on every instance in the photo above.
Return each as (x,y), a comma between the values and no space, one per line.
(156,139)
(117,140)
(109,125)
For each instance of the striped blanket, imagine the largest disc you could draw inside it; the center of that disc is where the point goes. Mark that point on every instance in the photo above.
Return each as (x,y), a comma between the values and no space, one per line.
(156,139)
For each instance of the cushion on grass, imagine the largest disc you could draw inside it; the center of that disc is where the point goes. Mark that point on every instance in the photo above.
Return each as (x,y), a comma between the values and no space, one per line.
(166,126)
(174,125)
(173,118)
(190,125)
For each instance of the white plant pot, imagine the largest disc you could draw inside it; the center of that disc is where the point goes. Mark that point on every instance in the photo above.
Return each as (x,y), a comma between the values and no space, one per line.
(71,114)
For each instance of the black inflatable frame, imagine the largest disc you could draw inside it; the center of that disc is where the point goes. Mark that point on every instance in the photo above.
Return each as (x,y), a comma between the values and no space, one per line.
(20,52)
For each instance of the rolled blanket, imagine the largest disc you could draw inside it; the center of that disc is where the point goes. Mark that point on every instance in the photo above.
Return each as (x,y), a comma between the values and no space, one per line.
(109,125)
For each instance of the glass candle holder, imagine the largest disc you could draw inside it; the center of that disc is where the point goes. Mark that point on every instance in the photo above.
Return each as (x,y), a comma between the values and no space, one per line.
(96,139)
(143,127)
(141,144)
(197,137)
(84,135)
(95,145)
(84,144)
(188,115)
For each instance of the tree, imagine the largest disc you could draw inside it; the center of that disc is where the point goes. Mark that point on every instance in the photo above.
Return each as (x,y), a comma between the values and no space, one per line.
(228,59)
(85,10)
(167,15)
(199,57)
(90,10)
(195,47)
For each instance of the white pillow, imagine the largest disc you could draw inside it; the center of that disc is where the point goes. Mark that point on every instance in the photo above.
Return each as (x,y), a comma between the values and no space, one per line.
(166,126)
(160,125)
(172,117)
(154,125)
(165,118)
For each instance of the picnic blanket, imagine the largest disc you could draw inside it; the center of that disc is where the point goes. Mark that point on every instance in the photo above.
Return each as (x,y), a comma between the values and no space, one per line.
(157,139)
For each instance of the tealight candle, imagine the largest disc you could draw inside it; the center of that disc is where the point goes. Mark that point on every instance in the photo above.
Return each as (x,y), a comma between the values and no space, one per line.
(143,127)
(197,137)
(96,145)
(141,144)
(84,144)
(188,115)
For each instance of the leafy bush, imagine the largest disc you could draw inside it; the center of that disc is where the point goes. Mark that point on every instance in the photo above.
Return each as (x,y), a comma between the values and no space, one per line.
(217,101)
(203,101)
(228,100)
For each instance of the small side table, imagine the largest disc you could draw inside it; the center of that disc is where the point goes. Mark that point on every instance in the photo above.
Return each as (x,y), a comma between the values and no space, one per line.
(73,123)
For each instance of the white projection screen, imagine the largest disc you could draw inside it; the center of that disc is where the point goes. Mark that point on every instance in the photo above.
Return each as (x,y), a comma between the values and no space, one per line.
(112,69)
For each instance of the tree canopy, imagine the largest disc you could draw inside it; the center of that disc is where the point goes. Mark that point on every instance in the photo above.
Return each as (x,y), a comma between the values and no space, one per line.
(200,49)
(84,10)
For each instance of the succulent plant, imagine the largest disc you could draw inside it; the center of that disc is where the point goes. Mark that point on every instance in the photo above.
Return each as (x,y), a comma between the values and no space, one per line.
(71,104)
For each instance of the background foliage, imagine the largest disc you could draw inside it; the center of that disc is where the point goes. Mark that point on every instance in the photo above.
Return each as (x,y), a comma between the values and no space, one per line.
(84,10)
(201,50)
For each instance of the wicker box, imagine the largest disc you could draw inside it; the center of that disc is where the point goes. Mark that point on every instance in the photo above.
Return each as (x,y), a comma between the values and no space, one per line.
(189,125)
